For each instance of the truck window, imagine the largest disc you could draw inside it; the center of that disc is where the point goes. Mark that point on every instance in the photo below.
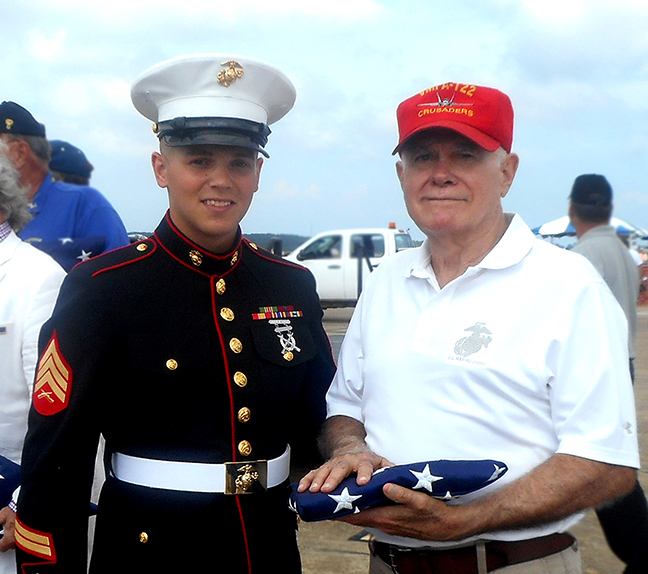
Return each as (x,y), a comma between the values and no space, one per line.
(328,247)
(403,241)
(367,245)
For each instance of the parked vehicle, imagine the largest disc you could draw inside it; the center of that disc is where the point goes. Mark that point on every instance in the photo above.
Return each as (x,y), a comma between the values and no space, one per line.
(342,259)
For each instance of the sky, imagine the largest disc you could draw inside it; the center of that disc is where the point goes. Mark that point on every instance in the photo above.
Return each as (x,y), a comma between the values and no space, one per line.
(576,71)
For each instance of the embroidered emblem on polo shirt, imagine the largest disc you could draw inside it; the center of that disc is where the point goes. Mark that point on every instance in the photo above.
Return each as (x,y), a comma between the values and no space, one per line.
(53,380)
(473,343)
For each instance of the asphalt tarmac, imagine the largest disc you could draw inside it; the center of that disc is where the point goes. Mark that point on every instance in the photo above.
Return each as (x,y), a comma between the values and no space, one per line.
(338,548)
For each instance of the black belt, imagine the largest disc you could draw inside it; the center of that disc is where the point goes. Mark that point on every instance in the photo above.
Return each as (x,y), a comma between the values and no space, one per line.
(464,560)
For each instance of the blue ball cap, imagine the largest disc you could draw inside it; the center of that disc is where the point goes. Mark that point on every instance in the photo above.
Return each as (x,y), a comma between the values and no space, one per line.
(67,158)
(16,120)
(591,189)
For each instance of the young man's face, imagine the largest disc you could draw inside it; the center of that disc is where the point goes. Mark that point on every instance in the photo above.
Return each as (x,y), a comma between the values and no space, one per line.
(210,190)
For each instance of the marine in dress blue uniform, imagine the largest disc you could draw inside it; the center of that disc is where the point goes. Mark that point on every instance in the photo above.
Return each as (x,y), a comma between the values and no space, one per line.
(70,222)
(205,372)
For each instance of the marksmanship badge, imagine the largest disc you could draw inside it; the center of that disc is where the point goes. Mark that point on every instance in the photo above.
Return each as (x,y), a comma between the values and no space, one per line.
(284,331)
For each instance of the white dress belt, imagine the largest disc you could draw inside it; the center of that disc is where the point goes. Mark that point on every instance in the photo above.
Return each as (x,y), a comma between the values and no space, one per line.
(197,476)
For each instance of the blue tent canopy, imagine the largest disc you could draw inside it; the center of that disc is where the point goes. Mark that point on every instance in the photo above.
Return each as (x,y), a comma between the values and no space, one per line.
(562,227)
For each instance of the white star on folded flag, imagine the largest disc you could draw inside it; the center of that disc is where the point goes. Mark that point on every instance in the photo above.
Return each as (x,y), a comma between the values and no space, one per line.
(84,255)
(344,500)
(65,240)
(425,479)
(496,473)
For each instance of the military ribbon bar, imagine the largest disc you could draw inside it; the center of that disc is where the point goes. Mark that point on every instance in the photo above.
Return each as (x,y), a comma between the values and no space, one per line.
(278,312)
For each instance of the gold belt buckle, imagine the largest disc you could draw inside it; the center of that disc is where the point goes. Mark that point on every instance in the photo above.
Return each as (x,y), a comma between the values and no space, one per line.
(246,477)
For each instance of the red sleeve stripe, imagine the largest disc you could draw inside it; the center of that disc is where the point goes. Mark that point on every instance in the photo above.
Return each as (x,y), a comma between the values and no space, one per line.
(37,543)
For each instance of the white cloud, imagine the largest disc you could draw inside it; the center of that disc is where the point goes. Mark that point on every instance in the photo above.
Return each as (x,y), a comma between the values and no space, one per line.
(233,11)
(577,71)
(360,192)
(47,47)
(94,97)
(284,190)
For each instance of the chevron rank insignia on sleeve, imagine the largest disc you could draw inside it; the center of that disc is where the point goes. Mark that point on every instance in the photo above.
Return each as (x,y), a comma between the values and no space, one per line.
(53,380)
(35,542)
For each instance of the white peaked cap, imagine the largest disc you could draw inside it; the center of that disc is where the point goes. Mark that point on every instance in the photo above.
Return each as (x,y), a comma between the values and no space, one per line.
(189,86)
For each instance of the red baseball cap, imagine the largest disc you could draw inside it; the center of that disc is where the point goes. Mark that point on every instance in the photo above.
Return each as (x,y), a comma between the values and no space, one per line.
(484,115)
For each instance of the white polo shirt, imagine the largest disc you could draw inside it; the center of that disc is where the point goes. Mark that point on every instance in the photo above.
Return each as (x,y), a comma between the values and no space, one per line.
(523,356)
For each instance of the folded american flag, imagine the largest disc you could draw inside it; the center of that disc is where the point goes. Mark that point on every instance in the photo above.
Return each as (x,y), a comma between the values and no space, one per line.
(9,480)
(444,479)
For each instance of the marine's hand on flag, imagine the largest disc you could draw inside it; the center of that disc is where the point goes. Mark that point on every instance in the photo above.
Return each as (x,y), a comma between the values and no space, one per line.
(343,443)
(328,476)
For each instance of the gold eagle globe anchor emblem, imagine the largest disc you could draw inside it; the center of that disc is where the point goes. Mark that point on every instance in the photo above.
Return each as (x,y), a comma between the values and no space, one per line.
(247,479)
(234,72)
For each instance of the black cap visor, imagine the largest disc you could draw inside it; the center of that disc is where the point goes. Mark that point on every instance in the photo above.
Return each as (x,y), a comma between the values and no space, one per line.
(214,131)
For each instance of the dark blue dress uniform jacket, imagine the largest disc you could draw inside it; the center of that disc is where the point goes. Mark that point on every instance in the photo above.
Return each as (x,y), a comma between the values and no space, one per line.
(141,347)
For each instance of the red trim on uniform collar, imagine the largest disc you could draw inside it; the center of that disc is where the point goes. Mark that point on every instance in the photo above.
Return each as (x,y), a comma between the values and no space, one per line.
(193,256)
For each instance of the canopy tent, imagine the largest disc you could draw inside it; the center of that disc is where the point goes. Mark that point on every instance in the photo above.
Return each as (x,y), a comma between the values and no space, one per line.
(562,226)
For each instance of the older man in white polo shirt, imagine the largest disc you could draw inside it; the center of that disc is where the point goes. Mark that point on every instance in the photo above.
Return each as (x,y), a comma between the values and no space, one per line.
(483,343)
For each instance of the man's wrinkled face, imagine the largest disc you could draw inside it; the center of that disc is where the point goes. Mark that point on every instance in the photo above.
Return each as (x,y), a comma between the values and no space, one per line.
(451,185)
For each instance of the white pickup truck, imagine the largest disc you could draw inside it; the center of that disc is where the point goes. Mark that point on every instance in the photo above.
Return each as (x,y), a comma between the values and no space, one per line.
(340,260)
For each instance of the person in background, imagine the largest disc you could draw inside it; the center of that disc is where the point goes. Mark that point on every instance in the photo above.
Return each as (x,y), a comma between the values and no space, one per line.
(483,343)
(69,164)
(634,252)
(70,222)
(624,520)
(29,284)
(200,358)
